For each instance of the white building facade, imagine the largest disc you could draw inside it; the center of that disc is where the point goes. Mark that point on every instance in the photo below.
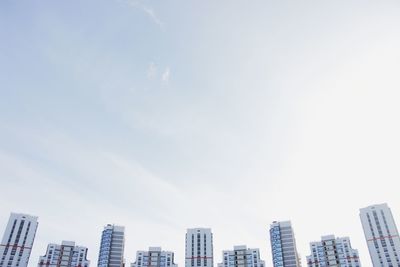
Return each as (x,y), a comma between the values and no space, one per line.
(154,257)
(241,256)
(199,248)
(64,255)
(331,251)
(381,235)
(283,245)
(17,242)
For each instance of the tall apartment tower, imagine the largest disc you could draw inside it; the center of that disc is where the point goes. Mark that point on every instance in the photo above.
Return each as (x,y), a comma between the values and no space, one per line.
(154,257)
(199,248)
(112,244)
(381,235)
(241,256)
(283,245)
(64,255)
(331,251)
(17,242)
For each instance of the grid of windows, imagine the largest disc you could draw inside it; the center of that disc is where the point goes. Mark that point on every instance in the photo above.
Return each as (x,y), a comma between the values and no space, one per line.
(17,241)
(331,251)
(64,255)
(381,235)
(155,257)
(112,247)
(283,245)
(241,256)
(199,248)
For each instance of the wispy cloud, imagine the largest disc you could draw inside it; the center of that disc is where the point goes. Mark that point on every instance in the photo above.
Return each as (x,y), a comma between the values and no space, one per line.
(154,74)
(148,10)
(151,70)
(165,75)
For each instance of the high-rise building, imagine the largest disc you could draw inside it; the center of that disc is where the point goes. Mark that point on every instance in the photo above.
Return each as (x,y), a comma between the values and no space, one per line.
(241,256)
(155,257)
(381,235)
(331,251)
(64,255)
(17,241)
(283,245)
(199,248)
(112,247)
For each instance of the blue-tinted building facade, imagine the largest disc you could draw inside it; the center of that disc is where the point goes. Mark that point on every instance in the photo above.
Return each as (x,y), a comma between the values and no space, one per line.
(112,243)
(283,245)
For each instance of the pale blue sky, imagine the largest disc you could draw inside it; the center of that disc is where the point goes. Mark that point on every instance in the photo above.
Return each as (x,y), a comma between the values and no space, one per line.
(163,115)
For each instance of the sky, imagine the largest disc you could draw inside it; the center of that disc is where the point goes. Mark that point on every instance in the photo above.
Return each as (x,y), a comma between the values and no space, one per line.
(166,115)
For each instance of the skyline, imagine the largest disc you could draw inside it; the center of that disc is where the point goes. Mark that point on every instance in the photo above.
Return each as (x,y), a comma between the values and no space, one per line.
(161,115)
(120,228)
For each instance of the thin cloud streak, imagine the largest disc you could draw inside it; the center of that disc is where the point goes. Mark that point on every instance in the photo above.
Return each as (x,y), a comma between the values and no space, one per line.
(149,12)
